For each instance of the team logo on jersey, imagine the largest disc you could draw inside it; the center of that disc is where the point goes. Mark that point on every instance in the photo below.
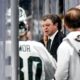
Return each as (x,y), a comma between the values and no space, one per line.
(78,38)
(24,48)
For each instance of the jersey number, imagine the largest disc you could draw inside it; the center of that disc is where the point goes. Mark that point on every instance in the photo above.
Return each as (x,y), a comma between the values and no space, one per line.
(32,62)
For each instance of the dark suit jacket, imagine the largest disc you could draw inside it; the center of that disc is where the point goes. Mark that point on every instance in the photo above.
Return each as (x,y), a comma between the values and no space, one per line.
(55,43)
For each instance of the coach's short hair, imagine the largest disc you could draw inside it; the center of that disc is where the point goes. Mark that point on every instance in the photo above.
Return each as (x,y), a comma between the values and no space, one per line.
(54,18)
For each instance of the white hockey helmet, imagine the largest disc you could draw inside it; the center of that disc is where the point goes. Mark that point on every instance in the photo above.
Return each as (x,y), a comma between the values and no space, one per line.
(22,21)
(22,15)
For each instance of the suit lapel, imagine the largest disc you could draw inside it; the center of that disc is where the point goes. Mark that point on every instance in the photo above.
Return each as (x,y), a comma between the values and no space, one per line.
(55,41)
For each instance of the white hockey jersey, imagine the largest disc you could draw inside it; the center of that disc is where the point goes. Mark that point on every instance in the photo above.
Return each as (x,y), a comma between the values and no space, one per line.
(36,63)
(68,65)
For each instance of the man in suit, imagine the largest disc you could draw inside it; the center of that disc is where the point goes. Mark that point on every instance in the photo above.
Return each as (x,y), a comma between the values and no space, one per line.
(51,25)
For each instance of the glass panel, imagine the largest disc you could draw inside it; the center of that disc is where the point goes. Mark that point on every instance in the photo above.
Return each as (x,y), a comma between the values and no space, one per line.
(6,50)
(4,60)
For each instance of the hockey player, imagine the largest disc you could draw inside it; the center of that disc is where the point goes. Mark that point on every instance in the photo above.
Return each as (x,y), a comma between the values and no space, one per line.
(36,62)
(68,65)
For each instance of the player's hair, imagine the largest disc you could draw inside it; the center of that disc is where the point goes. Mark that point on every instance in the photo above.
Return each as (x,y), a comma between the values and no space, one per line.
(72,18)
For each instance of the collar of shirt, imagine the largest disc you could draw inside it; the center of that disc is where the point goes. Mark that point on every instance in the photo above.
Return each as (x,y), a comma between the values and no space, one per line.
(52,37)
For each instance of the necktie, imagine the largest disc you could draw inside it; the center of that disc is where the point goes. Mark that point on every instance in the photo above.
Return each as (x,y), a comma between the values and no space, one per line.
(48,44)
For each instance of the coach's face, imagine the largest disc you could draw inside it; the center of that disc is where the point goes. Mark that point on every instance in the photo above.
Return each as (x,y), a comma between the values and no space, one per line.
(48,27)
